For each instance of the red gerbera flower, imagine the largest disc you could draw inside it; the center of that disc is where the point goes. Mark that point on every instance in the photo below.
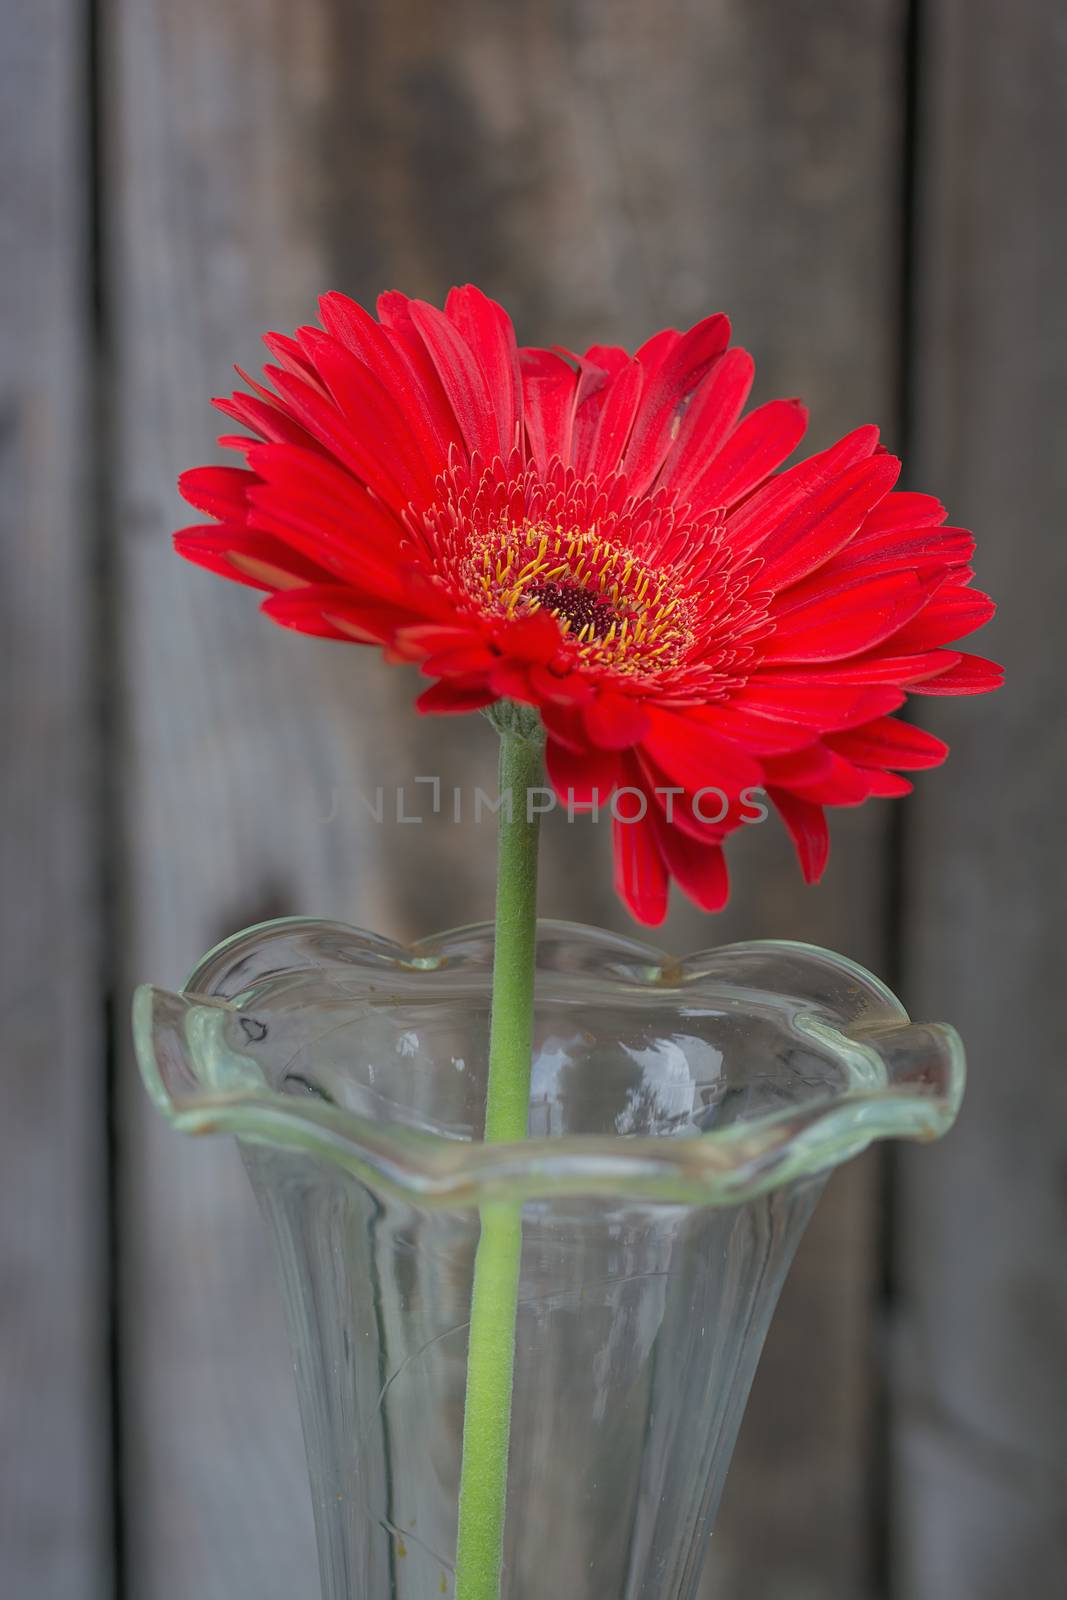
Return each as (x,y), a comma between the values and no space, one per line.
(607,538)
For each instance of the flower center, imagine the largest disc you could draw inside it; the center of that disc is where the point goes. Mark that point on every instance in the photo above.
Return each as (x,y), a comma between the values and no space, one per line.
(578,609)
(615,608)
(638,588)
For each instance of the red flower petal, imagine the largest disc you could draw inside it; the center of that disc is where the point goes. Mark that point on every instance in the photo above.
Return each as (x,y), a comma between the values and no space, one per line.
(452,696)
(364,621)
(952,614)
(666,392)
(815,702)
(970,675)
(487,329)
(762,510)
(656,349)
(266,420)
(762,735)
(560,688)
(251,558)
(611,359)
(550,385)
(461,377)
(564,724)
(914,547)
(510,680)
(353,438)
(473,658)
(615,721)
(590,394)
(418,394)
(422,638)
(897,670)
(708,420)
(800,767)
(616,421)
(641,880)
(685,812)
(807,827)
(698,868)
(830,780)
(904,510)
(888,785)
(690,754)
(757,445)
(888,742)
(824,520)
(845,622)
(290,354)
(220,492)
(534,638)
(367,405)
(307,501)
(581,779)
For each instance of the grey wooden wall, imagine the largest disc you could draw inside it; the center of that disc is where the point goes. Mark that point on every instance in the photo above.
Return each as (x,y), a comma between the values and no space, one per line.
(871,189)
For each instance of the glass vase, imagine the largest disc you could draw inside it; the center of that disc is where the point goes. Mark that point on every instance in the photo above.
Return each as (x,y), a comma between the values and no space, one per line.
(684,1117)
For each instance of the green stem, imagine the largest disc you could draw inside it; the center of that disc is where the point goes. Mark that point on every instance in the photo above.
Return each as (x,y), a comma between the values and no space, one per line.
(491,1350)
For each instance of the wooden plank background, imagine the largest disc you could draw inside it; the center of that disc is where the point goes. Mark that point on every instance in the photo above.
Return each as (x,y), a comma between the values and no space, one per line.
(604,167)
(980,1375)
(55,1466)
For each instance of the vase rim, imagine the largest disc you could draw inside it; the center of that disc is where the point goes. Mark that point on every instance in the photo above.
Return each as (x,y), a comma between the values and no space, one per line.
(903,1080)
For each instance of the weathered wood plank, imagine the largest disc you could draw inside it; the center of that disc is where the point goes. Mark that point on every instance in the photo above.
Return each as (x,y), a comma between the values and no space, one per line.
(981,1458)
(235,736)
(54,1469)
(602,168)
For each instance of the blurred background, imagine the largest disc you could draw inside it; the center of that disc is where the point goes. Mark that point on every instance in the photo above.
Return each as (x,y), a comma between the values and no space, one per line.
(872,189)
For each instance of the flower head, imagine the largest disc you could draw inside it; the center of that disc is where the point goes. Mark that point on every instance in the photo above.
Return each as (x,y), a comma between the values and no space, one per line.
(608,538)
